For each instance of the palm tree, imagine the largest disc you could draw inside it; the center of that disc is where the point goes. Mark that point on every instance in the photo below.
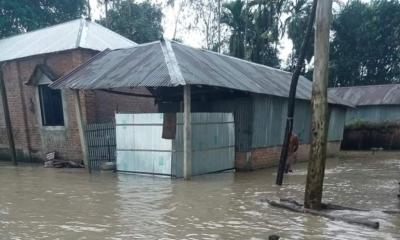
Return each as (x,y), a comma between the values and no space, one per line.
(234,15)
(264,31)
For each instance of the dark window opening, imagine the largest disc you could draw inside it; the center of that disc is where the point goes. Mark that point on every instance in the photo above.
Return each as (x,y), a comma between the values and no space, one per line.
(51,106)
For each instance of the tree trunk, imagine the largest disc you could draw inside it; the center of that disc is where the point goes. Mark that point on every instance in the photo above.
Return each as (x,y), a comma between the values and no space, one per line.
(319,121)
(292,95)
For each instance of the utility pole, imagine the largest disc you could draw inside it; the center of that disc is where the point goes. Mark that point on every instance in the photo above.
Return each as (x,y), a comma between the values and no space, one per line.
(319,103)
(292,94)
(7,118)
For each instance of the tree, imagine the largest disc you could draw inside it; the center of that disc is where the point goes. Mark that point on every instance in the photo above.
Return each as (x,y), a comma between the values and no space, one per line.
(207,21)
(234,15)
(140,22)
(292,93)
(366,45)
(256,29)
(19,16)
(202,16)
(296,26)
(265,30)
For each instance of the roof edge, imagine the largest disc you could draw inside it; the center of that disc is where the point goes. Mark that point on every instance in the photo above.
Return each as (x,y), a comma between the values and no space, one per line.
(39,29)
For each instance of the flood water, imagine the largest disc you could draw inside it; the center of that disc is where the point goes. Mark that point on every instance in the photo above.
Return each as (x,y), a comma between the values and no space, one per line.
(39,203)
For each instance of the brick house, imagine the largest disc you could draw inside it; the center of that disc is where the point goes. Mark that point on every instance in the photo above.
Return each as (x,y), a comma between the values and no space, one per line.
(44,119)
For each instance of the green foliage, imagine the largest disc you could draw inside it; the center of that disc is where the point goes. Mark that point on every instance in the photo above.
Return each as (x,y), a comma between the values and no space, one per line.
(383,127)
(366,47)
(17,16)
(234,15)
(296,30)
(255,29)
(264,31)
(140,22)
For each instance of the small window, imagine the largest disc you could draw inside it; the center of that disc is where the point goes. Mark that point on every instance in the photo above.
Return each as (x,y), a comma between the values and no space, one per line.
(51,106)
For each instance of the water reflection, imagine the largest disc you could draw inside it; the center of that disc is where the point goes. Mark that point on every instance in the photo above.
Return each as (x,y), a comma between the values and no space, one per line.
(37,203)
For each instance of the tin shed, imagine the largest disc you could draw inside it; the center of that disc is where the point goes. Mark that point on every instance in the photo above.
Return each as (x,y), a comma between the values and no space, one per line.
(374,103)
(185,79)
(375,120)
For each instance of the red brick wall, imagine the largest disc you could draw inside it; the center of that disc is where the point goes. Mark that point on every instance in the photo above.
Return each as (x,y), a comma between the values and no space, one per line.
(105,105)
(30,137)
(33,139)
(269,156)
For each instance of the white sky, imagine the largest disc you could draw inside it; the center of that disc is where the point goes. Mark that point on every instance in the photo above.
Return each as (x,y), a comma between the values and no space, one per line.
(193,38)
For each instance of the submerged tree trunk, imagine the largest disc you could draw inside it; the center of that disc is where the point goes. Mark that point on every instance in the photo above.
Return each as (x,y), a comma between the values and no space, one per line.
(292,95)
(319,121)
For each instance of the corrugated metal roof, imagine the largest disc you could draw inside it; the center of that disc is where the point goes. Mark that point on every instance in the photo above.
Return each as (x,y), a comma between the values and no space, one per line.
(165,63)
(369,95)
(78,33)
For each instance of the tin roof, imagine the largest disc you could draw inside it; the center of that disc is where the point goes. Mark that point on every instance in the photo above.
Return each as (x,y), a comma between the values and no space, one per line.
(79,33)
(168,64)
(369,95)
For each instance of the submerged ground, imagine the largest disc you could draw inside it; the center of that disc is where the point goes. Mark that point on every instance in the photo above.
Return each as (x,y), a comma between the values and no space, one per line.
(38,203)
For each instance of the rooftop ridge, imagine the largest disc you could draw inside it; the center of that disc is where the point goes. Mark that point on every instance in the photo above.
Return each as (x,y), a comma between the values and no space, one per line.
(173,67)
(80,32)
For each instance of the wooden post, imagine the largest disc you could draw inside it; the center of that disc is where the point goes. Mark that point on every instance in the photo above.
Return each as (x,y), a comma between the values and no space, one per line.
(319,121)
(187,133)
(7,119)
(79,120)
(292,95)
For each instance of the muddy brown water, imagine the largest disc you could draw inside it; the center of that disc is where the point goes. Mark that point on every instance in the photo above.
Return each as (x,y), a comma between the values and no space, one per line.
(38,203)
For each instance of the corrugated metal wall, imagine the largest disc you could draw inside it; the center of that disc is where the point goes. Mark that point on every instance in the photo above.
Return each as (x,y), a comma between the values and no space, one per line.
(336,123)
(213,143)
(260,119)
(243,113)
(242,109)
(270,119)
(140,147)
(373,114)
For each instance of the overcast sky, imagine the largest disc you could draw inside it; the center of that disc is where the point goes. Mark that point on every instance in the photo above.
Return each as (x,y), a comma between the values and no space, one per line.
(194,38)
